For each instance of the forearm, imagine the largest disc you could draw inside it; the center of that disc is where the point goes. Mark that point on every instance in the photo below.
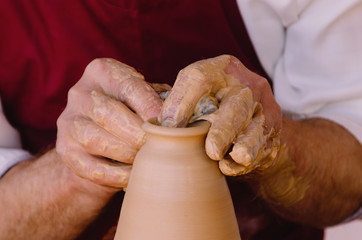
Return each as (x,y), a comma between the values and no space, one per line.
(42,199)
(317,178)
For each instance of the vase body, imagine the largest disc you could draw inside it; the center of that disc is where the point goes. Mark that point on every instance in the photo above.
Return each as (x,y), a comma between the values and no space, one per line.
(175,191)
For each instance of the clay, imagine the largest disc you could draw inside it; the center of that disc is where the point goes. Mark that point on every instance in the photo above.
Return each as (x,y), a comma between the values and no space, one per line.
(175,191)
(161,88)
(207,105)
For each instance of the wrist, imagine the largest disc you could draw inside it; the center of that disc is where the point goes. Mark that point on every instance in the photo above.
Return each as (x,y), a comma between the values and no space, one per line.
(279,185)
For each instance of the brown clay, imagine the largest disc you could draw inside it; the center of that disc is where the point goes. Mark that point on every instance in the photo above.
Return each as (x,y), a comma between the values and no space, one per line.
(175,191)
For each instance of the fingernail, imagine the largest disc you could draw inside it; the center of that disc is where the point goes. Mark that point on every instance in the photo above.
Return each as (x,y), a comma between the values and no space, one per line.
(168,122)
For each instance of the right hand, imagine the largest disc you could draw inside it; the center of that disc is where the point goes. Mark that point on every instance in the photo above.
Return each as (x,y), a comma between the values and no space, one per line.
(247,121)
(99,132)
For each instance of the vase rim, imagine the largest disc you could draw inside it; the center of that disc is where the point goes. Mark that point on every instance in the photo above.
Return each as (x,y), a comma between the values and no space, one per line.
(194,129)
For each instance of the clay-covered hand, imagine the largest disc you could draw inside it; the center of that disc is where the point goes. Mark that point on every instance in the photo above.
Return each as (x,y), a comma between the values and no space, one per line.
(245,118)
(99,131)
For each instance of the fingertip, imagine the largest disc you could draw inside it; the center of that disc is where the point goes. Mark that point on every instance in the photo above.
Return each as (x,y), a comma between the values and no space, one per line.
(100,171)
(242,155)
(152,111)
(231,168)
(146,102)
(168,122)
(213,149)
(171,122)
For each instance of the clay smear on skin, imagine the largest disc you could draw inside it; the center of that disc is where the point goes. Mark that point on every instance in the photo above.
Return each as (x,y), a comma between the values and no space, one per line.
(134,91)
(204,81)
(128,126)
(92,137)
(250,150)
(279,185)
(193,82)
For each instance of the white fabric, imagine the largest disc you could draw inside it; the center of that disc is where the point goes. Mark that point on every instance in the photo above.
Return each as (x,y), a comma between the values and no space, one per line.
(9,136)
(347,231)
(11,156)
(356,215)
(312,51)
(10,145)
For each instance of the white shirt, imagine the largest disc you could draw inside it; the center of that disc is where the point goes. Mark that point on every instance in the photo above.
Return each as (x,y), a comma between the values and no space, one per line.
(10,145)
(312,50)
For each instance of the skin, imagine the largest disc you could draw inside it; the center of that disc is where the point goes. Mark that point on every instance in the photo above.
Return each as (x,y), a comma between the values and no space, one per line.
(328,170)
(308,171)
(65,189)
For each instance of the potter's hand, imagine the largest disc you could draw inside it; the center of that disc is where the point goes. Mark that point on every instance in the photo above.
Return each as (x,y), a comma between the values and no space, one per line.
(248,119)
(99,131)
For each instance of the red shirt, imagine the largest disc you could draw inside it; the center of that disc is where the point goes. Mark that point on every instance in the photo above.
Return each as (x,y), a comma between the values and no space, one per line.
(46,44)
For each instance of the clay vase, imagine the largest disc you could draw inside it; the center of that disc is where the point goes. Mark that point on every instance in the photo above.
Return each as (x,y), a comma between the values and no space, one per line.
(175,191)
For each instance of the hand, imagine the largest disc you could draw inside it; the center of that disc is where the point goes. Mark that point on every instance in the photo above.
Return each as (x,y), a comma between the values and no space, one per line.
(99,131)
(248,119)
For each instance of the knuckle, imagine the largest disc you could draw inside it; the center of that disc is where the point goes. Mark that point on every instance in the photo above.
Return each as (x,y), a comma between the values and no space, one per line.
(84,132)
(74,161)
(96,65)
(124,178)
(60,121)
(234,59)
(261,84)
(63,151)
(59,148)
(63,131)
(74,94)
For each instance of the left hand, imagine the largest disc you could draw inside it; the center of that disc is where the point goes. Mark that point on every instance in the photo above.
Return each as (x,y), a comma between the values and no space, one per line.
(248,119)
(99,131)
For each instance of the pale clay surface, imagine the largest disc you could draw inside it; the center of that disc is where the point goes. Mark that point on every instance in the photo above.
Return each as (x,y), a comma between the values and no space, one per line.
(175,191)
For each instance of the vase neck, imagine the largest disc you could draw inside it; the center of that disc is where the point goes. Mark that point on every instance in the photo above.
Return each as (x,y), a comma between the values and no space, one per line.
(176,138)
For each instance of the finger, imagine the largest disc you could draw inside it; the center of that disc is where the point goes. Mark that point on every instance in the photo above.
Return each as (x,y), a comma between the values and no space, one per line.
(106,111)
(230,168)
(192,83)
(251,142)
(235,112)
(96,169)
(123,83)
(98,141)
(162,89)
(117,119)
